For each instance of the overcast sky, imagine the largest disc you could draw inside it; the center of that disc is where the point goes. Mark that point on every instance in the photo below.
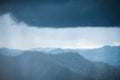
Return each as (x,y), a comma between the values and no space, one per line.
(19,35)
(64,13)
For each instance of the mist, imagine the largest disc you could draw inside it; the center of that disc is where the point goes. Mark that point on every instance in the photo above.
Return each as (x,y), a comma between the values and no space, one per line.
(20,35)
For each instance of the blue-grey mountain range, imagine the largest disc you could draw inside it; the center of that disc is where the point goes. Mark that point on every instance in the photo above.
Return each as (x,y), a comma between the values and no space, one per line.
(67,64)
(107,54)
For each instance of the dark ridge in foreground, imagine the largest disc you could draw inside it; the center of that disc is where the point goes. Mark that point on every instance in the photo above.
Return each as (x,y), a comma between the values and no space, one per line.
(33,65)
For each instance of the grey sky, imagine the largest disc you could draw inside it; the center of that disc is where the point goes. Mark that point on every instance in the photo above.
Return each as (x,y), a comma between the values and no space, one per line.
(64,13)
(22,36)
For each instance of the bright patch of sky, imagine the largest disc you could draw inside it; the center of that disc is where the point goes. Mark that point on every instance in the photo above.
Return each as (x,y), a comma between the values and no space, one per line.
(22,36)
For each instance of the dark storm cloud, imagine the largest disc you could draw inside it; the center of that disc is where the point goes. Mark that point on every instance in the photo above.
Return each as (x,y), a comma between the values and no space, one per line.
(64,13)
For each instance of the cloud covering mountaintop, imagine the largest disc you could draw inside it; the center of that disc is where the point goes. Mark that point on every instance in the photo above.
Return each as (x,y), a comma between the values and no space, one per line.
(64,13)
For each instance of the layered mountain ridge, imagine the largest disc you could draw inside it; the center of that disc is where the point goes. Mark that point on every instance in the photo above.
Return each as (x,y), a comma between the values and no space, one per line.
(36,65)
(107,54)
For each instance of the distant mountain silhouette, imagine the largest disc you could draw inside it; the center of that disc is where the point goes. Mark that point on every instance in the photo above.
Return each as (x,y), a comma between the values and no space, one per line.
(107,54)
(10,52)
(36,65)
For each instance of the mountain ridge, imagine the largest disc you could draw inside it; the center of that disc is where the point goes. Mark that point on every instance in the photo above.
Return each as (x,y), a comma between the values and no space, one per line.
(32,65)
(107,54)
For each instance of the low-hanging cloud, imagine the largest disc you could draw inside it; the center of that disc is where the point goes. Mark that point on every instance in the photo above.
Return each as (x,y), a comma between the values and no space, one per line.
(19,35)
(64,13)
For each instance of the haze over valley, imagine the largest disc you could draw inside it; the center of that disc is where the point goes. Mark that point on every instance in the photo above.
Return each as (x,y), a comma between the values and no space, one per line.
(59,40)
